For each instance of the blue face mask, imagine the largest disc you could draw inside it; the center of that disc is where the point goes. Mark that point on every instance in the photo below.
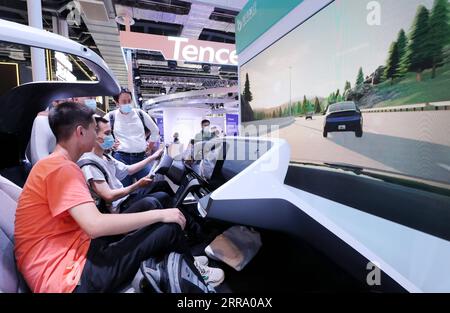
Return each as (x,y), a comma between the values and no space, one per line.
(108,142)
(91,104)
(125,108)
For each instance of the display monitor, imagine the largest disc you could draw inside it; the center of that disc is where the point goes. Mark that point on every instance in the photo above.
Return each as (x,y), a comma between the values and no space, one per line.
(387,62)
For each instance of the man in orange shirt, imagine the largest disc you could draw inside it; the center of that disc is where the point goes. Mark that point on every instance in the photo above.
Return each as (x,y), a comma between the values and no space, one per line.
(62,241)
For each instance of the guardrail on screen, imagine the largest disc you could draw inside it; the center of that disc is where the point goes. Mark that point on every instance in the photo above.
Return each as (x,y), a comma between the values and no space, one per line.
(431,106)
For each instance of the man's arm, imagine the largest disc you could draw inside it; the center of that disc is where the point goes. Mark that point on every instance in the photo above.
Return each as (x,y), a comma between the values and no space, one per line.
(96,224)
(134,168)
(101,188)
(154,136)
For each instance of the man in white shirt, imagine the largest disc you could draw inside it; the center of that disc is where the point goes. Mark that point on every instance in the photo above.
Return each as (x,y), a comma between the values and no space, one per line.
(103,174)
(42,140)
(129,128)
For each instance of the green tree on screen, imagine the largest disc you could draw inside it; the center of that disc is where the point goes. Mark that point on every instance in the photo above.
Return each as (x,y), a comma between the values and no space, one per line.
(393,63)
(348,86)
(418,55)
(439,33)
(402,46)
(402,43)
(247,93)
(332,98)
(360,78)
(317,108)
(298,107)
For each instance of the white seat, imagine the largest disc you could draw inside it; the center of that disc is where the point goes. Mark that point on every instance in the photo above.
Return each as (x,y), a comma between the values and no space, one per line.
(10,279)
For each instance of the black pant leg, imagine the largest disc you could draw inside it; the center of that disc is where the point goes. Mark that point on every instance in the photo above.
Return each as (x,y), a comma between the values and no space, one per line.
(160,190)
(110,266)
(141,205)
(161,185)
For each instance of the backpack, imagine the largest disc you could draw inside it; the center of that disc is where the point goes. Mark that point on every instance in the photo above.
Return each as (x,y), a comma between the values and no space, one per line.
(112,118)
(171,273)
(101,204)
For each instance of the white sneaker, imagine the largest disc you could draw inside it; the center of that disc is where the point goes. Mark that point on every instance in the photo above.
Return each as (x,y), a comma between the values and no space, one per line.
(211,275)
(201,259)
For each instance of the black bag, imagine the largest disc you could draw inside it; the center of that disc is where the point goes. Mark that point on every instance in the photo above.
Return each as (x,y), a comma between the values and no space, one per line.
(173,273)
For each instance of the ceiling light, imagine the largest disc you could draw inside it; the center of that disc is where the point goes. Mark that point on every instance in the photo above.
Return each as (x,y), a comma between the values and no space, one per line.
(120,19)
(17,55)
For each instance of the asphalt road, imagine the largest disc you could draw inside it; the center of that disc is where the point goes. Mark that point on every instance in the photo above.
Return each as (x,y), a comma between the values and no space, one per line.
(412,143)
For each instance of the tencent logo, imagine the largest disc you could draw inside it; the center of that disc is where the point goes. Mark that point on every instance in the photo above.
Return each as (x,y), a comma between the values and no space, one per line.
(199,53)
(182,49)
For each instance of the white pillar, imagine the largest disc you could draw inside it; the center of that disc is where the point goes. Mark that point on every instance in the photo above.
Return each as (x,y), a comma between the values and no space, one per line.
(129,60)
(60,26)
(37,55)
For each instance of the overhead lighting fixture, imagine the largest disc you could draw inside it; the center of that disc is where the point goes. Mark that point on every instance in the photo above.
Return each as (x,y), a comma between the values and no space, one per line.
(17,55)
(121,19)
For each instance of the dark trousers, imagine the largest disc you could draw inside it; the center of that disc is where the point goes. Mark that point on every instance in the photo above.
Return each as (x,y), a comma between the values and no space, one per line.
(113,261)
(159,195)
(143,199)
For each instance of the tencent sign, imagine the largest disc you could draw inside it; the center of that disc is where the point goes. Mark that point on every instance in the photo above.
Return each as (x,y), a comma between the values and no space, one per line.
(182,49)
(202,53)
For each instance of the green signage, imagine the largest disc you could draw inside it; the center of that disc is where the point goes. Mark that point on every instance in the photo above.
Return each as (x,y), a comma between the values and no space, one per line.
(257,17)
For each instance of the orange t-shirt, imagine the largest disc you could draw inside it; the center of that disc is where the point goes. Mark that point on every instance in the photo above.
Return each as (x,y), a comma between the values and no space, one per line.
(50,246)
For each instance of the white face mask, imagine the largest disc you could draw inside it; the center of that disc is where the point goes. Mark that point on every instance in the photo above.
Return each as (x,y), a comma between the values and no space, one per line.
(91,103)
(126,108)
(206,131)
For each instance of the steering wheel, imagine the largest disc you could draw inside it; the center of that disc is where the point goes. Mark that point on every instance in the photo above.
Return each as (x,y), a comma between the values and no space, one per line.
(203,181)
(157,163)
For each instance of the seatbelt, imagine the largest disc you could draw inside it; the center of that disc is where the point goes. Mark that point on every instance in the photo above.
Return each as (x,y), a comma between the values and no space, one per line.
(84,162)
(101,205)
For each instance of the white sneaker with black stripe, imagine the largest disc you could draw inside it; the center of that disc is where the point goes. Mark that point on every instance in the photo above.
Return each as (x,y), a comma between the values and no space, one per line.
(211,275)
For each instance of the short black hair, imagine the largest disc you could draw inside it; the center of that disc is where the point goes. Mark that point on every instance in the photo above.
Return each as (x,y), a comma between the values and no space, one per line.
(122,91)
(99,119)
(205,121)
(66,117)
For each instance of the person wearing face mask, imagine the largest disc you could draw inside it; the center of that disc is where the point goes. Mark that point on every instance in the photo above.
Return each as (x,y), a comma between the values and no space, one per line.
(135,130)
(42,140)
(205,134)
(91,104)
(103,174)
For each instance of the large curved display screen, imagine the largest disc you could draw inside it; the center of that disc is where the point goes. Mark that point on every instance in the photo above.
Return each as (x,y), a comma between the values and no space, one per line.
(361,83)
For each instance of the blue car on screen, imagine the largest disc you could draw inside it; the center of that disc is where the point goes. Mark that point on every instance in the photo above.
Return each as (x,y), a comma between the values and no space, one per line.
(343,117)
